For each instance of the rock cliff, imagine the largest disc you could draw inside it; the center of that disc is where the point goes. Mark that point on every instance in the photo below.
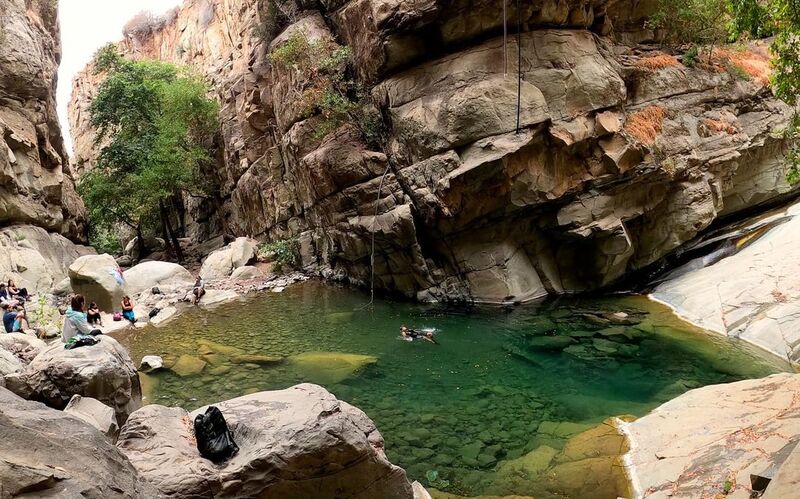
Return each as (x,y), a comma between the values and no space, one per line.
(36,186)
(622,153)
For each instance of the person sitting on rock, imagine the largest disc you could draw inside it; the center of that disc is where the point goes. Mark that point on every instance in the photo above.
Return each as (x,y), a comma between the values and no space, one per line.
(411,334)
(9,316)
(15,292)
(75,322)
(199,290)
(5,298)
(17,326)
(127,309)
(93,315)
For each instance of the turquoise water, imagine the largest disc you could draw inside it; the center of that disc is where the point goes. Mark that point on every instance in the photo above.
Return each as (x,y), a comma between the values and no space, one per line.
(502,386)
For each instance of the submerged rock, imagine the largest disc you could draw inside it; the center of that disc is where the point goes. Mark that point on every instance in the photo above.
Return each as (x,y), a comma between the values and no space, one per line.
(298,442)
(330,367)
(692,445)
(188,365)
(50,453)
(103,371)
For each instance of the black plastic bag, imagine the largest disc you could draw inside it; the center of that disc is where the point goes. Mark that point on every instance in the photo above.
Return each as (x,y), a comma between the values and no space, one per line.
(154,312)
(214,439)
(155,290)
(80,341)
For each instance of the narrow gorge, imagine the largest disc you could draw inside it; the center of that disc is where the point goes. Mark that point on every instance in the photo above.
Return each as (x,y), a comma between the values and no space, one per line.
(590,230)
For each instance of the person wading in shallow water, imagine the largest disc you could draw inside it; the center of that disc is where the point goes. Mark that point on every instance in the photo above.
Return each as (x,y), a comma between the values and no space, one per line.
(412,334)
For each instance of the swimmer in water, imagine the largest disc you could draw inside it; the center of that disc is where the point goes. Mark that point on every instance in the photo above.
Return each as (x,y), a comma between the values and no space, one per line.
(411,334)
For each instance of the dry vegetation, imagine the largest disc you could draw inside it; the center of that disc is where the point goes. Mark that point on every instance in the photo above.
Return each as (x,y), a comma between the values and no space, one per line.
(753,61)
(655,62)
(645,125)
(716,126)
(144,23)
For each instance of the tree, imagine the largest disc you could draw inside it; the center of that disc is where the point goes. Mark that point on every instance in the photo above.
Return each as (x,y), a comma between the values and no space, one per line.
(699,22)
(156,125)
(781,18)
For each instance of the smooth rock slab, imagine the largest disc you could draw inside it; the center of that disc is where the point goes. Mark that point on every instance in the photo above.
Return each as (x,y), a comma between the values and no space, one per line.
(49,453)
(95,413)
(690,446)
(147,275)
(298,442)
(103,371)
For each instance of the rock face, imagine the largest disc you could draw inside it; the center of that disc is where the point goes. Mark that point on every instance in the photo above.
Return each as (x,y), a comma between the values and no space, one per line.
(36,187)
(49,453)
(36,259)
(623,154)
(103,371)
(677,451)
(753,294)
(98,279)
(298,442)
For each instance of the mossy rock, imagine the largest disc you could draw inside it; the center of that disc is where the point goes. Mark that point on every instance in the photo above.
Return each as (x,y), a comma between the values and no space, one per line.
(549,342)
(261,360)
(330,367)
(188,365)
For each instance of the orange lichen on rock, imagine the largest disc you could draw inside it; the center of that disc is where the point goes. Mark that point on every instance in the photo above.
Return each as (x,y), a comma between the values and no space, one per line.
(645,125)
(754,61)
(716,126)
(656,62)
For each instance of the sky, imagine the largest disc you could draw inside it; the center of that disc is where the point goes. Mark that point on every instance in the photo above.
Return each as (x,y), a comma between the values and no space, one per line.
(87,25)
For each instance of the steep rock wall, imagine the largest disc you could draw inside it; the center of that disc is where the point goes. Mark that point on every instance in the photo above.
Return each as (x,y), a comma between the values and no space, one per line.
(623,154)
(36,187)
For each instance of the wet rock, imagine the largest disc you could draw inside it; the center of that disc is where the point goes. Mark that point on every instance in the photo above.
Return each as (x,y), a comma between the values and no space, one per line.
(50,453)
(298,442)
(257,359)
(188,365)
(604,346)
(151,363)
(97,278)
(95,413)
(330,367)
(549,342)
(103,371)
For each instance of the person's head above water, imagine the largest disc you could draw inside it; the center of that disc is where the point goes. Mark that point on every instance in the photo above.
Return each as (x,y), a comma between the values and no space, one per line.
(429,334)
(403,328)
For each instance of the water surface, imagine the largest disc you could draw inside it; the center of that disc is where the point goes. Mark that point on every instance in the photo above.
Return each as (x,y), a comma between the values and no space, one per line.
(506,403)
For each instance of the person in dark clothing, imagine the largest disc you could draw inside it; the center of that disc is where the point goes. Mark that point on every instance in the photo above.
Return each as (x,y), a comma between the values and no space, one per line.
(412,334)
(15,292)
(5,298)
(93,315)
(9,316)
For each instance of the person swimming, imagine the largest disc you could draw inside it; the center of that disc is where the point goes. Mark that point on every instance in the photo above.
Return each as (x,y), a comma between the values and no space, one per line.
(412,334)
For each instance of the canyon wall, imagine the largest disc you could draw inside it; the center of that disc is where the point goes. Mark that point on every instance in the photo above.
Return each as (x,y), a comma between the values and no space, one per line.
(37,187)
(622,153)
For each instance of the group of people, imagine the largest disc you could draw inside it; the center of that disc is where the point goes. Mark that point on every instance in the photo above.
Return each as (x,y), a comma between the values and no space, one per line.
(12,302)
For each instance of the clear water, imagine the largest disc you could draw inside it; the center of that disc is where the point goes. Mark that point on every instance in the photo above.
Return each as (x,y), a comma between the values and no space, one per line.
(492,392)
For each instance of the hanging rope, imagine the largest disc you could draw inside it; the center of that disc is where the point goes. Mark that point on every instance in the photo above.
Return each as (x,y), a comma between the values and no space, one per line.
(505,41)
(372,251)
(519,63)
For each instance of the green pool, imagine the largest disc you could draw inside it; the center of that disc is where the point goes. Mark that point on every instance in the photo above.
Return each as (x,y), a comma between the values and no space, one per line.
(508,402)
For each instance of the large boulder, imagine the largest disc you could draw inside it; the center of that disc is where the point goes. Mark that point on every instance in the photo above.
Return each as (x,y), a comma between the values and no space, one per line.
(103,371)
(49,453)
(95,413)
(692,445)
(298,442)
(98,278)
(147,275)
(223,261)
(24,346)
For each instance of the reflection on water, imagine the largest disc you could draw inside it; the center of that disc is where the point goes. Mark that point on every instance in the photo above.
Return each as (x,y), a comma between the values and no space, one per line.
(508,402)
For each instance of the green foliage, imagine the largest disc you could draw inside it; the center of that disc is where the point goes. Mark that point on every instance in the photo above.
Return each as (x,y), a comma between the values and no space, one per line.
(727,487)
(330,91)
(156,126)
(757,18)
(690,57)
(104,240)
(283,252)
(701,22)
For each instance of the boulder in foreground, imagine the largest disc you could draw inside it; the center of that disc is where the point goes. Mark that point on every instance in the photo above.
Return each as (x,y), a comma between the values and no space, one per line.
(103,371)
(693,445)
(298,442)
(48,453)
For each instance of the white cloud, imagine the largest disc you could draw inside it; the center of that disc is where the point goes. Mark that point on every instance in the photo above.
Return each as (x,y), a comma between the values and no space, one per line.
(87,25)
